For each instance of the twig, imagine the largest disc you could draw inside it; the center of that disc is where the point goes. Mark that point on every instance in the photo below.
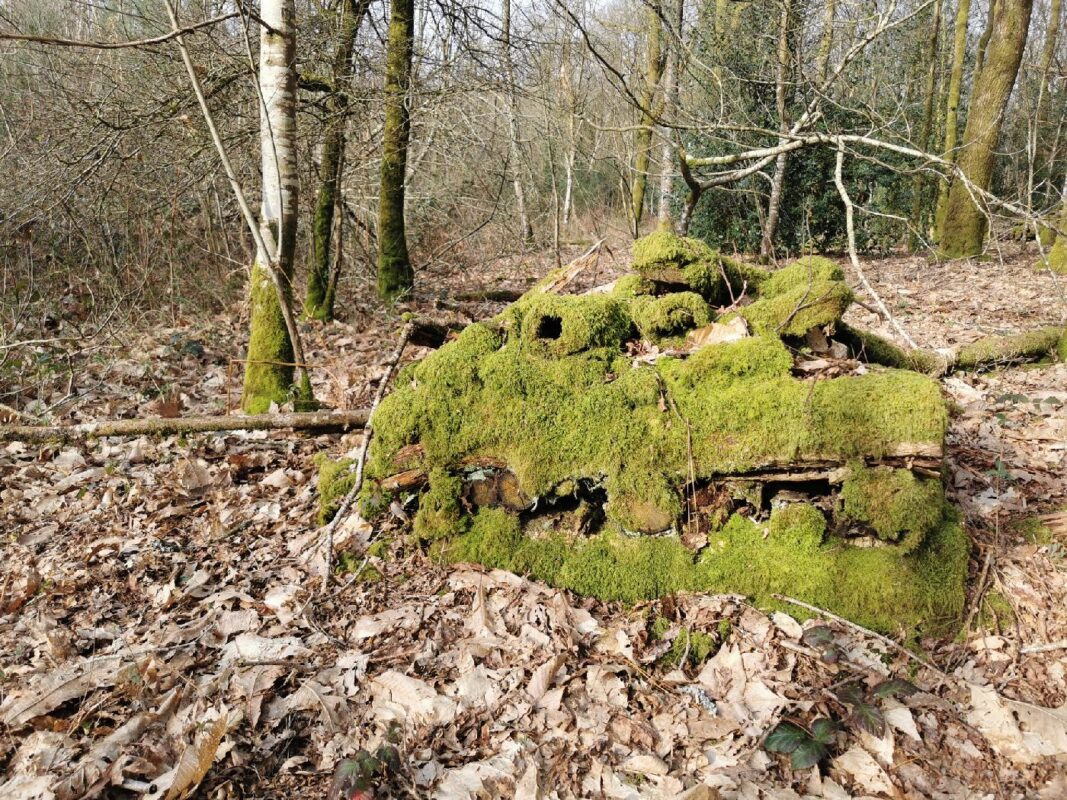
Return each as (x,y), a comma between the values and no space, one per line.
(1044,648)
(166,426)
(866,631)
(853,257)
(368,433)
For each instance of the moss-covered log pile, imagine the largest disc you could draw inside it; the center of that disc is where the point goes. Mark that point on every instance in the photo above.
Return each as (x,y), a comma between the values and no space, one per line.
(588,442)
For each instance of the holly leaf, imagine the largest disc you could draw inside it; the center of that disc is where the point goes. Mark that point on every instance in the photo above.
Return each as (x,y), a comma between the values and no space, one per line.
(894,687)
(854,693)
(786,738)
(823,729)
(808,754)
(818,637)
(868,718)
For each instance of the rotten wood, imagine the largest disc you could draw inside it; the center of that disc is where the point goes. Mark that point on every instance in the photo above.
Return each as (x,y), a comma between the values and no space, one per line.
(924,458)
(165,426)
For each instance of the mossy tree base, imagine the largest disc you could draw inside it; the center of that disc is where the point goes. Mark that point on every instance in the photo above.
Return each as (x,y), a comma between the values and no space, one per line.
(547,393)
(269,363)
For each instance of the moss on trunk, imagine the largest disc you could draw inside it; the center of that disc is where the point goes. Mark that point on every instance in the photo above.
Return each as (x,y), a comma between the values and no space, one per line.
(269,371)
(963,225)
(395,275)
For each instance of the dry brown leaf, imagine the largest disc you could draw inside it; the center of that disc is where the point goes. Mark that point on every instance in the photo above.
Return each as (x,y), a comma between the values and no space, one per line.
(543,676)
(197,758)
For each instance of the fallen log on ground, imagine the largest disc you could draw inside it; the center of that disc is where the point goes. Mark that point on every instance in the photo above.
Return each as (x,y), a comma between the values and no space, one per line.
(985,352)
(314,420)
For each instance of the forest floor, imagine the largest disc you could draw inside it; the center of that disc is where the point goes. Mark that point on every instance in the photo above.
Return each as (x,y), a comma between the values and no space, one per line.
(162,623)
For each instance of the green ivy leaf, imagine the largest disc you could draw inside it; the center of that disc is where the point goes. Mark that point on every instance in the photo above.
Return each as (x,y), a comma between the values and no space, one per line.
(786,738)
(808,754)
(853,693)
(894,687)
(868,718)
(823,729)
(818,637)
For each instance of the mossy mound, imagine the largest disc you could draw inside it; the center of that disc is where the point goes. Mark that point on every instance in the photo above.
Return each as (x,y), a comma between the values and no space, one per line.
(548,392)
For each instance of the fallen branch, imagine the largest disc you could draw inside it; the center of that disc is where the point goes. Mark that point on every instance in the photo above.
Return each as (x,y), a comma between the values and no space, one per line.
(165,426)
(985,352)
(865,631)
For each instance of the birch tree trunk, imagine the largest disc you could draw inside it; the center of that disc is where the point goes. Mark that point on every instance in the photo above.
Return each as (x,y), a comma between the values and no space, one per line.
(269,369)
(774,203)
(319,301)
(513,124)
(964,225)
(671,82)
(952,103)
(395,275)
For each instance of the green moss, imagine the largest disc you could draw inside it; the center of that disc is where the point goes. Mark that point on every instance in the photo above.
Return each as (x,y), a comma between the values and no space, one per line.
(882,588)
(561,325)
(631,285)
(991,349)
(795,311)
(440,514)
(663,249)
(268,371)
(658,317)
(1057,256)
(995,613)
(1034,530)
(1061,347)
(335,482)
(899,506)
(874,349)
(692,646)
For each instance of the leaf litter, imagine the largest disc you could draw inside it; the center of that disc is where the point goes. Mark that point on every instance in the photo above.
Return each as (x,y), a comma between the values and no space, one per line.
(163,634)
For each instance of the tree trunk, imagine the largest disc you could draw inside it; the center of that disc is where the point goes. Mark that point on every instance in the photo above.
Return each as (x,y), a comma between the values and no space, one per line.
(919,182)
(774,203)
(269,371)
(963,227)
(513,124)
(952,103)
(671,83)
(826,41)
(983,41)
(395,275)
(643,136)
(1057,257)
(318,303)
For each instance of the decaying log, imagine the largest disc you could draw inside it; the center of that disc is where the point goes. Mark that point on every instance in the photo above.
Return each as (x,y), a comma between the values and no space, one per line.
(924,458)
(985,352)
(314,420)
(490,295)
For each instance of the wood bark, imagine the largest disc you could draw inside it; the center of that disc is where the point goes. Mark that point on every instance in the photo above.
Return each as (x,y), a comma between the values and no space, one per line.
(964,224)
(781,82)
(919,182)
(671,82)
(395,275)
(643,135)
(514,147)
(952,101)
(271,349)
(319,301)
(162,426)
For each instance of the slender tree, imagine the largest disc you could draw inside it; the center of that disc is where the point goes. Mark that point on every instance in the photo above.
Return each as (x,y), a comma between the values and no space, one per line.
(321,286)
(926,133)
(670,94)
(952,102)
(781,83)
(395,275)
(513,123)
(964,224)
(269,371)
(647,99)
